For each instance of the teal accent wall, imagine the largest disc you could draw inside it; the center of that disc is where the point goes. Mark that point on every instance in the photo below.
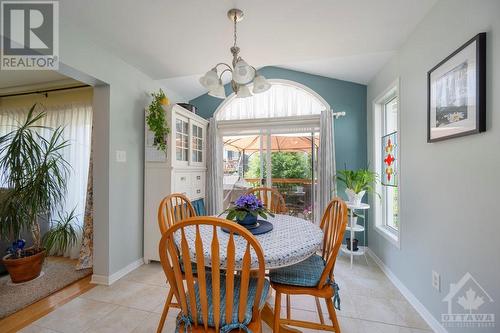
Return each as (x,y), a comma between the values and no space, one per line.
(350,131)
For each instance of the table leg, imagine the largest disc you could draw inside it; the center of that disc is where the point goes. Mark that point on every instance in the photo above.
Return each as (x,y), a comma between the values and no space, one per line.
(267,316)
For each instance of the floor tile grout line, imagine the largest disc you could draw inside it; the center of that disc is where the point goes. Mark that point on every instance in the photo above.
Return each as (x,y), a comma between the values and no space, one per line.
(367,320)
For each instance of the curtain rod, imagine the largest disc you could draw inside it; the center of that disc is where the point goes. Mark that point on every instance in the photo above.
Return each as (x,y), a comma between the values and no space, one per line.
(44,92)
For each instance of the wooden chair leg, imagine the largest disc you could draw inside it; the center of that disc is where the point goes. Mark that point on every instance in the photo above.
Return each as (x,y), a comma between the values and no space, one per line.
(333,315)
(165,310)
(320,312)
(277,311)
(288,310)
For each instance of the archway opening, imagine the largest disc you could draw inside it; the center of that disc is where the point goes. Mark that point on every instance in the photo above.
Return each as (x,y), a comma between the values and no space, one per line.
(272,139)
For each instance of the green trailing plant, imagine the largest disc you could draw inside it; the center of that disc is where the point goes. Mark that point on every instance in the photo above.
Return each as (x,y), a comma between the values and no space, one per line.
(34,172)
(358,180)
(63,233)
(157,121)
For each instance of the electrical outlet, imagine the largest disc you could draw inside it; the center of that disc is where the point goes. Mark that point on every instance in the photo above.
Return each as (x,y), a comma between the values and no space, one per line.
(436,281)
(121,156)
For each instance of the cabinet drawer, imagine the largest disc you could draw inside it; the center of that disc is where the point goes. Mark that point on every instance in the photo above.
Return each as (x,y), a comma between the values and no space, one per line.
(198,184)
(182,183)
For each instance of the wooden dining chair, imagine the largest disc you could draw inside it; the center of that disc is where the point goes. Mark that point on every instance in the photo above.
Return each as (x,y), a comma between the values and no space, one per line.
(314,276)
(173,208)
(271,198)
(214,301)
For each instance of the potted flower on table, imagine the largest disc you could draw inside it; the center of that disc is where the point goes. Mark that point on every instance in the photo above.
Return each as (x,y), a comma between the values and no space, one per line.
(246,210)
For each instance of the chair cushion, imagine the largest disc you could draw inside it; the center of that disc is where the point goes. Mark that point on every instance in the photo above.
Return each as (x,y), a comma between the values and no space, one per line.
(306,273)
(252,289)
(194,268)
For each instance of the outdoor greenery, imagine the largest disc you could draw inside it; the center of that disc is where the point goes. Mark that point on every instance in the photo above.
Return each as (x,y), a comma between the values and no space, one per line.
(283,165)
(34,172)
(62,235)
(156,120)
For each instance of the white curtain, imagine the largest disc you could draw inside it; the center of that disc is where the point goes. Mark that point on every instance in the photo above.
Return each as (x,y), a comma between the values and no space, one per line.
(214,169)
(282,100)
(326,188)
(76,118)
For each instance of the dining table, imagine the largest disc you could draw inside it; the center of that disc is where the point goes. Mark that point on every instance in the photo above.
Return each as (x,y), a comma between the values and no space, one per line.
(291,241)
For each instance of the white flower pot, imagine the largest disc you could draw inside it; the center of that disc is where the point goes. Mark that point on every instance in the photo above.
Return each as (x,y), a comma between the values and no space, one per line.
(354,198)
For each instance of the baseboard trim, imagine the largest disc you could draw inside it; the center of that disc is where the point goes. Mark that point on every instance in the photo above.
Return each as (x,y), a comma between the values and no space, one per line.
(433,323)
(109,280)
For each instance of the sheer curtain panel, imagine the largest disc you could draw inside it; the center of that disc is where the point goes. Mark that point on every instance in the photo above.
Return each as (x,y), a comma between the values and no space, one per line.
(76,118)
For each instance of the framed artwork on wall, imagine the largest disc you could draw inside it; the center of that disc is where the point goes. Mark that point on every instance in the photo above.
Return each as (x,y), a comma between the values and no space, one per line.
(456,96)
(390,159)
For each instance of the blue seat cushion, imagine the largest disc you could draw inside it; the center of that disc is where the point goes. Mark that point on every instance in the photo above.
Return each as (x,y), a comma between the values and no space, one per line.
(194,268)
(306,273)
(252,289)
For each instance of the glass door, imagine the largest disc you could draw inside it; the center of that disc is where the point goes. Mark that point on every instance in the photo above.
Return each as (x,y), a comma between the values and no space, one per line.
(285,161)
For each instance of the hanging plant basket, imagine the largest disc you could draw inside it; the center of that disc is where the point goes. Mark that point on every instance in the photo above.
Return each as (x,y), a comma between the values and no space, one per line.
(157,121)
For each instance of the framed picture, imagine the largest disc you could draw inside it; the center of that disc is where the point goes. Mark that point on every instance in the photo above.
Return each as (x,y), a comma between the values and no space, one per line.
(456,97)
(390,159)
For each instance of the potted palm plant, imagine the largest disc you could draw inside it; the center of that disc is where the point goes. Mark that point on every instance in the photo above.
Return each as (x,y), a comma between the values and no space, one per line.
(357,183)
(34,173)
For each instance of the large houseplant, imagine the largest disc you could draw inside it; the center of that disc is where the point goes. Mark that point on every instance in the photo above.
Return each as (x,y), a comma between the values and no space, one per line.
(34,173)
(357,183)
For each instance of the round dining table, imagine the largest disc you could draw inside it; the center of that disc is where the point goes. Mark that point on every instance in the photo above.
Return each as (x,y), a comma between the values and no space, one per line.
(291,241)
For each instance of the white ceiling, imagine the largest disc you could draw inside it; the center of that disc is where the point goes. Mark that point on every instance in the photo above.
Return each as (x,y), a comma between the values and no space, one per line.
(177,41)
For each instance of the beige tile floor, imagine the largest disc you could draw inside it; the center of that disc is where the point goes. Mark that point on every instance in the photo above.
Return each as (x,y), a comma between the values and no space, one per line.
(370,303)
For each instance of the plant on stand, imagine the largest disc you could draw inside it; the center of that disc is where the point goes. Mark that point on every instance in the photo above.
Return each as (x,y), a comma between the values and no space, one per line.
(157,121)
(247,208)
(357,183)
(34,173)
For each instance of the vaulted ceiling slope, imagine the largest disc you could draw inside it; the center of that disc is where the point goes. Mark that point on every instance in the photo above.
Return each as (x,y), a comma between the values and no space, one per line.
(177,41)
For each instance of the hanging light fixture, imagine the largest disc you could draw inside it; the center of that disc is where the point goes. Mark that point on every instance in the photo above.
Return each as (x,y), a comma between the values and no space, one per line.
(242,73)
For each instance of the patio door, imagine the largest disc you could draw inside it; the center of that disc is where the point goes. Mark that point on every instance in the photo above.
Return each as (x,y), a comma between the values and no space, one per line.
(284,159)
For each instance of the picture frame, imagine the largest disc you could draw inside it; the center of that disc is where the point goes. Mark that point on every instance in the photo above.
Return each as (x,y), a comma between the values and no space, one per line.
(456,92)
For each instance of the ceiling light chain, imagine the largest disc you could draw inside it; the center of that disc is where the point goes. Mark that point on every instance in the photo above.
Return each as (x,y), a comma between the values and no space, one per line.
(242,73)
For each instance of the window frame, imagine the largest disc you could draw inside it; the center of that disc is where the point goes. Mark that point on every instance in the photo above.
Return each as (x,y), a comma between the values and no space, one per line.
(379,122)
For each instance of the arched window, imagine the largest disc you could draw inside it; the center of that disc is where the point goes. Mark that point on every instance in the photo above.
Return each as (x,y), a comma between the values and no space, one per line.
(284,99)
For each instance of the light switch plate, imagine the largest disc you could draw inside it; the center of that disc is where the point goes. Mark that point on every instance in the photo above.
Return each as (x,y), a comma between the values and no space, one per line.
(121,156)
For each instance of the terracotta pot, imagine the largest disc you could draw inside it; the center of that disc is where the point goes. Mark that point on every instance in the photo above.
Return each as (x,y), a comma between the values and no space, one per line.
(26,268)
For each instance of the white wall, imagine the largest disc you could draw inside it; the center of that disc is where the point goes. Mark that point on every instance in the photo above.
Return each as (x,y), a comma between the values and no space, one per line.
(449,190)
(118,125)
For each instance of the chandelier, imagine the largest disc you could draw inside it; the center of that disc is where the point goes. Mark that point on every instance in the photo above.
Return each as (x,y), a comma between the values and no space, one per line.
(242,73)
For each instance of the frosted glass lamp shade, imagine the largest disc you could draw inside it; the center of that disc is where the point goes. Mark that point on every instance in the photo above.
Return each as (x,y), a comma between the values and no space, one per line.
(218,91)
(243,92)
(210,80)
(243,73)
(260,84)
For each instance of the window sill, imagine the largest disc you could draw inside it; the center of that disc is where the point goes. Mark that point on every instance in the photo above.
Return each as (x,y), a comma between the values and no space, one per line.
(390,235)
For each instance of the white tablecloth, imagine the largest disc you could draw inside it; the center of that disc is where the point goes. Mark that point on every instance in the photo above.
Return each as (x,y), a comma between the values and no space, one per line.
(291,241)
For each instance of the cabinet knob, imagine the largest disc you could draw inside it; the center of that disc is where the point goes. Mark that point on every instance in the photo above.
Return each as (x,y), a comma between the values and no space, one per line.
(183,178)
(198,177)
(198,191)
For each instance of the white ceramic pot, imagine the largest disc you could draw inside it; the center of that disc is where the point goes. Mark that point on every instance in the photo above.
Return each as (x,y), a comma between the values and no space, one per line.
(354,198)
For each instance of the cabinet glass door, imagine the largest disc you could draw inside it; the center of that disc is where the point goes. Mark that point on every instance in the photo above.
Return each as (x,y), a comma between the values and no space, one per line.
(181,140)
(197,144)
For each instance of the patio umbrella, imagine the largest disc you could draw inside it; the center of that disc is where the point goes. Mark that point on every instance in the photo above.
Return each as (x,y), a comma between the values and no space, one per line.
(284,143)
